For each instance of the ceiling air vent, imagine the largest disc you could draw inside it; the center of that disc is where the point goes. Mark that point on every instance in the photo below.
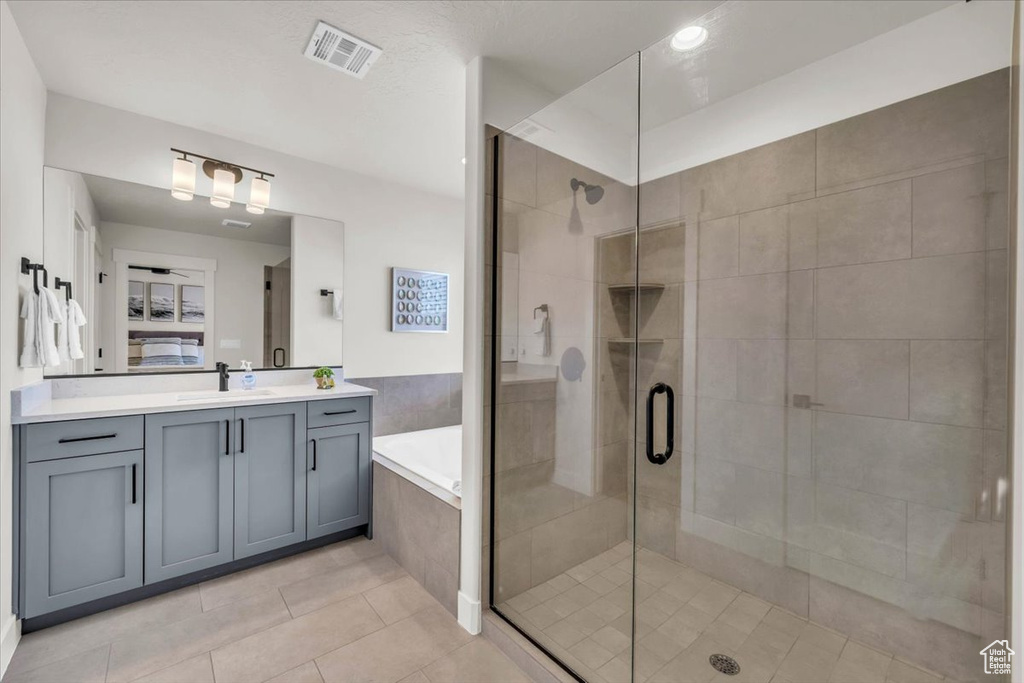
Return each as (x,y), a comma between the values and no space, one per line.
(341,51)
(231,223)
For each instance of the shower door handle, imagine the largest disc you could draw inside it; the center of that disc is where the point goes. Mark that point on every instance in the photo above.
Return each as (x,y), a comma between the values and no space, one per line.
(670,406)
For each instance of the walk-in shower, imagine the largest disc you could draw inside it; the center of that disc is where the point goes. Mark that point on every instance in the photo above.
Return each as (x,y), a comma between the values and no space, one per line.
(786,451)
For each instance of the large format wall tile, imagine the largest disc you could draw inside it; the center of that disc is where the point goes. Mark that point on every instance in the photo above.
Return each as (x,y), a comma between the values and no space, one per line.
(742,433)
(947,382)
(936,465)
(752,307)
(963,121)
(778,239)
(950,210)
(861,226)
(771,175)
(719,248)
(928,298)
(864,377)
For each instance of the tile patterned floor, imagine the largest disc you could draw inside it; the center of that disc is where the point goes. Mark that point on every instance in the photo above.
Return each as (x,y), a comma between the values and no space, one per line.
(340,614)
(683,617)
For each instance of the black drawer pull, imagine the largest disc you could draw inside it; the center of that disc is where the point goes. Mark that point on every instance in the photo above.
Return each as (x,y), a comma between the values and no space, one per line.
(88,438)
(314,455)
(133,484)
(227,437)
(242,449)
(341,412)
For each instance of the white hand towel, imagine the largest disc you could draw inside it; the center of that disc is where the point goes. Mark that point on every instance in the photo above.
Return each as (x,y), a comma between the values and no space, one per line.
(62,331)
(48,313)
(75,321)
(337,309)
(29,351)
(540,323)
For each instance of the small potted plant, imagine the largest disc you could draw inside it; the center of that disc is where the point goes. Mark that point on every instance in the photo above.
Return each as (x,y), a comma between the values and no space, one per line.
(324,378)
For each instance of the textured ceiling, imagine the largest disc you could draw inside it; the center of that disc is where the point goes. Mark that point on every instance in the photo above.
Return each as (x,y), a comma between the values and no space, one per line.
(237,69)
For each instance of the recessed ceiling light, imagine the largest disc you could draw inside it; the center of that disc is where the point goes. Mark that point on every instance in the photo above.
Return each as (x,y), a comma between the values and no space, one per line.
(689,38)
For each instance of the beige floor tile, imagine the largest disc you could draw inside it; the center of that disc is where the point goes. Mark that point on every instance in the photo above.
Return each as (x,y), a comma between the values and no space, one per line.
(901,672)
(60,642)
(233,587)
(582,595)
(313,593)
(354,550)
(542,593)
(395,651)
(747,674)
(562,605)
(399,599)
(160,647)
(611,639)
(785,621)
(728,635)
(564,634)
(285,646)
(714,598)
(617,670)
(415,677)
(541,616)
(807,663)
(196,670)
(304,673)
(85,667)
(593,655)
(860,664)
(562,583)
(615,576)
(475,662)
(823,638)
(522,602)
(606,609)
(691,665)
(587,620)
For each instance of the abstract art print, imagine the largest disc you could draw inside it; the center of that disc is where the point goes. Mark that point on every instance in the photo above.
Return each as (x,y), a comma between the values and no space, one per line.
(161,302)
(193,304)
(136,300)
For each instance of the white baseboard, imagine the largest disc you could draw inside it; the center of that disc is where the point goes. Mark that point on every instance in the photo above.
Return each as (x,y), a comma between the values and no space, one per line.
(8,642)
(469,613)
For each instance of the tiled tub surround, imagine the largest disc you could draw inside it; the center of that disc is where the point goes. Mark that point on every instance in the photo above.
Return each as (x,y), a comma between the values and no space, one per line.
(407,403)
(420,530)
(862,264)
(345,612)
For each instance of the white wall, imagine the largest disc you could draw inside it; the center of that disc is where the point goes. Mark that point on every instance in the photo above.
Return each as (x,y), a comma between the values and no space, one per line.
(23,112)
(385,224)
(318,262)
(238,301)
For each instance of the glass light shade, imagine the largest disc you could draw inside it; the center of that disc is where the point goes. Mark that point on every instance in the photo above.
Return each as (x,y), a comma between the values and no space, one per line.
(259,196)
(223,188)
(689,38)
(183,180)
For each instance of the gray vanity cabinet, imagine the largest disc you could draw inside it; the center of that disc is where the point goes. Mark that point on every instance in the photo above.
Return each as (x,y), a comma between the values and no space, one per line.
(189,492)
(338,478)
(270,481)
(83,516)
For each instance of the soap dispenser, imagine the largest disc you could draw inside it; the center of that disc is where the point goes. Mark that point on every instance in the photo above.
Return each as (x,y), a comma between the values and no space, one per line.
(249,378)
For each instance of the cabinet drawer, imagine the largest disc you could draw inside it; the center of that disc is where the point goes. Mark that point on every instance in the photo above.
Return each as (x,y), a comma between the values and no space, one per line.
(53,440)
(337,411)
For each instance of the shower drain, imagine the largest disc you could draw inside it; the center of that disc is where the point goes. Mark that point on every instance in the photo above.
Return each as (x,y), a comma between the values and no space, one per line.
(725,664)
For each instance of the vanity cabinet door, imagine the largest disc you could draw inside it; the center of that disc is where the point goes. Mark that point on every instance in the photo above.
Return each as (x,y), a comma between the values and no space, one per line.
(337,479)
(83,529)
(189,492)
(270,477)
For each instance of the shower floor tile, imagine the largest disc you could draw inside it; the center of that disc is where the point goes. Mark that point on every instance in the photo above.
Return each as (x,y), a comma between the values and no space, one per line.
(683,616)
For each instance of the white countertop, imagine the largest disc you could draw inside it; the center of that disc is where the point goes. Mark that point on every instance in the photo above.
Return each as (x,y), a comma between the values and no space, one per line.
(43,408)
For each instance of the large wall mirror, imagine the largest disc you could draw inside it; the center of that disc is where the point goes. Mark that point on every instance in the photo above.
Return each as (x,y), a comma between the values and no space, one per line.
(179,286)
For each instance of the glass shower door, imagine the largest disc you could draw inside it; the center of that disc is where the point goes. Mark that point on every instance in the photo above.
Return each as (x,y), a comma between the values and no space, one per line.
(564,211)
(820,483)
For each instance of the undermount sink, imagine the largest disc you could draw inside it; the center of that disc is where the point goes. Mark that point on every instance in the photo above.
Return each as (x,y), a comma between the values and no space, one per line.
(232,394)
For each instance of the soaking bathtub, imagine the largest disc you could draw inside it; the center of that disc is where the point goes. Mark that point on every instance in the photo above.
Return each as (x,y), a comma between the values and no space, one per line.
(433,456)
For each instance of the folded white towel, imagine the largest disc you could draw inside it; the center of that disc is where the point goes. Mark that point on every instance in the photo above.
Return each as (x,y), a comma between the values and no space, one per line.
(75,321)
(48,313)
(29,352)
(337,310)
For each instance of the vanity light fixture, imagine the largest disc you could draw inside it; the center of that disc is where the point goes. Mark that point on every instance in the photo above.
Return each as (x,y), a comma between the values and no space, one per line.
(183,179)
(225,176)
(689,38)
(259,195)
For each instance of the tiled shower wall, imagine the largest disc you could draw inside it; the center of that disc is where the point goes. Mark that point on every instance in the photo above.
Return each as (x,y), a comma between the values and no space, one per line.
(409,403)
(864,265)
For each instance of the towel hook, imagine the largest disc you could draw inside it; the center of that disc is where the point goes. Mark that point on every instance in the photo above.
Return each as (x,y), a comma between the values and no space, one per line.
(26,266)
(326,292)
(543,308)
(58,283)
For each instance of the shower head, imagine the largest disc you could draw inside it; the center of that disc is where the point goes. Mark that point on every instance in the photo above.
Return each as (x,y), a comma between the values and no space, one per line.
(593,193)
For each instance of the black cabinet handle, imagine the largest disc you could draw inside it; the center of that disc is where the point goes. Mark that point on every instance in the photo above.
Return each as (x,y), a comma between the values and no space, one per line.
(284,357)
(133,484)
(242,449)
(314,455)
(661,388)
(227,437)
(340,412)
(76,439)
